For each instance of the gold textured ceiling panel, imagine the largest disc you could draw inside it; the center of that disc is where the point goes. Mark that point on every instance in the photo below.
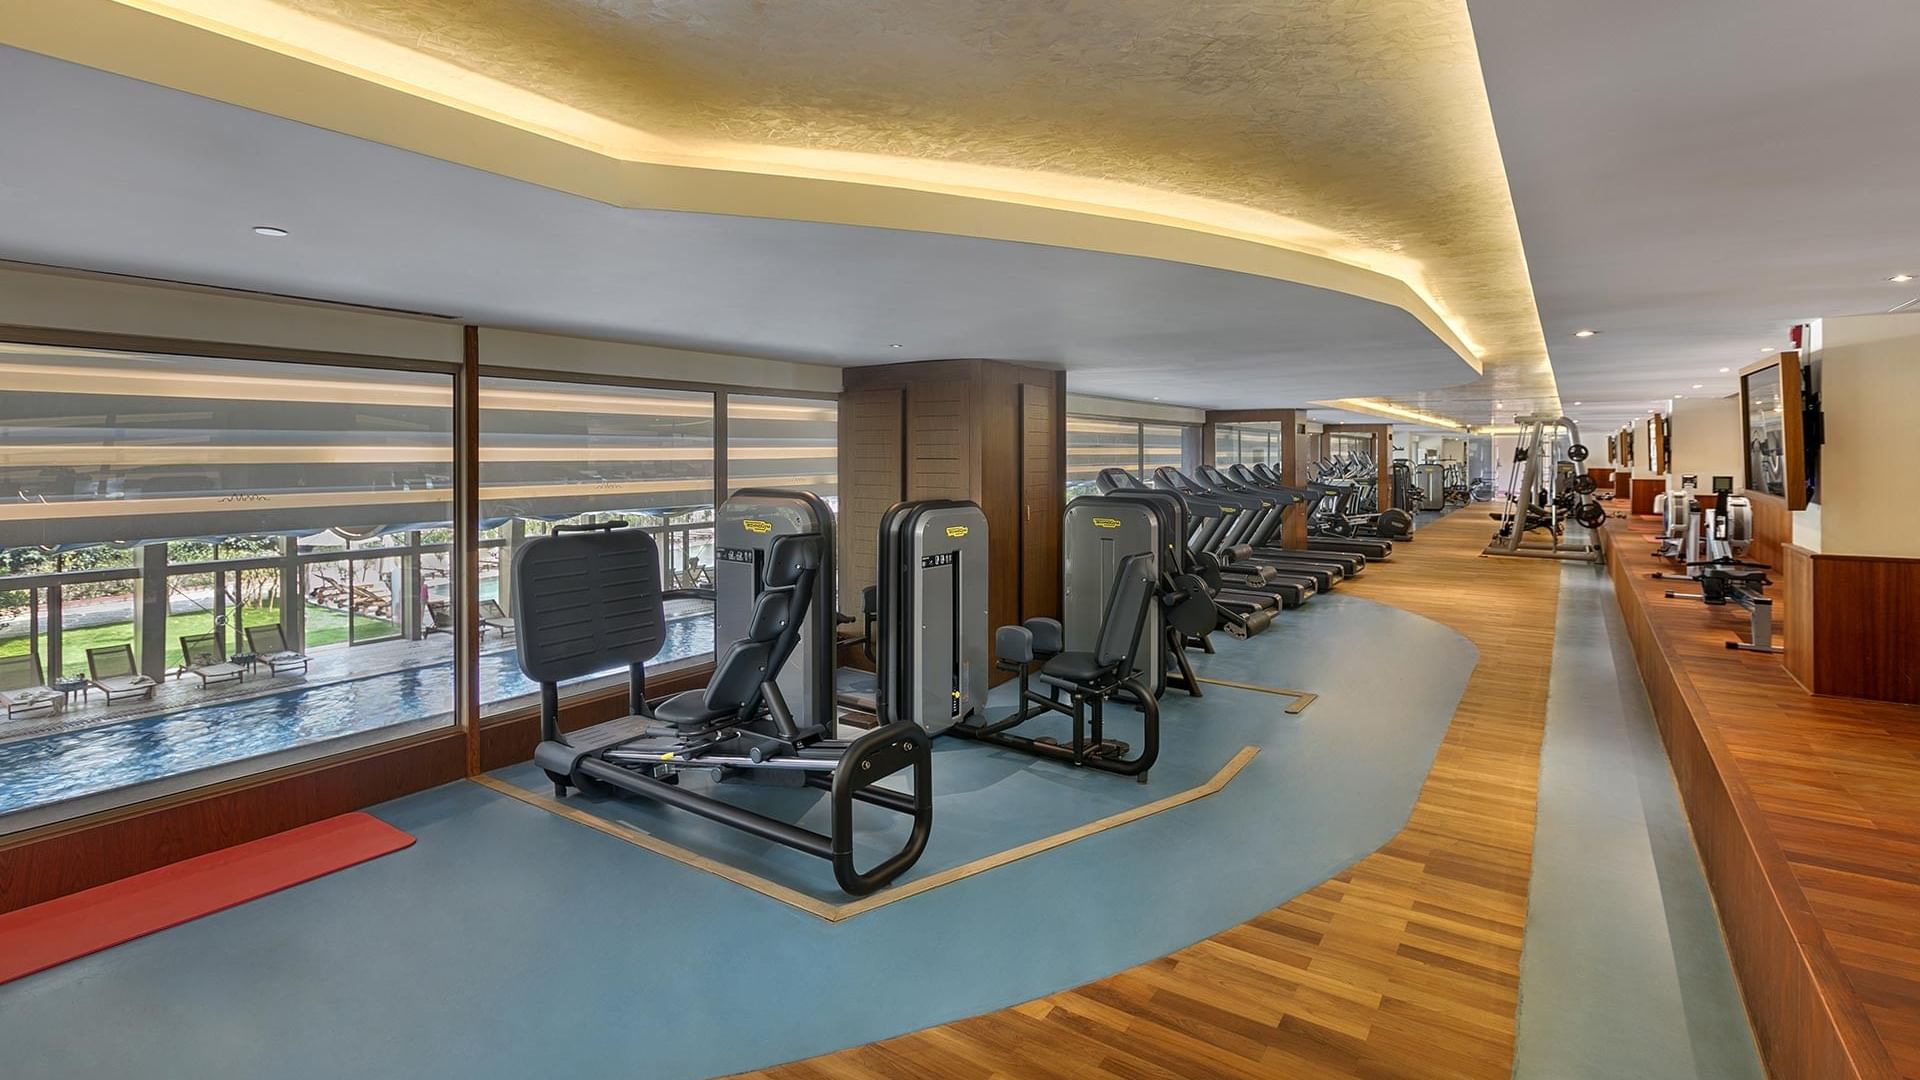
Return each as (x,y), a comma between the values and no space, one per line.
(1350,141)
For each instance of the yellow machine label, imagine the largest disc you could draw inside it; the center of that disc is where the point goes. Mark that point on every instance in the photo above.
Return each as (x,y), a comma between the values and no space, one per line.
(1231,509)
(754,525)
(956,531)
(1106,523)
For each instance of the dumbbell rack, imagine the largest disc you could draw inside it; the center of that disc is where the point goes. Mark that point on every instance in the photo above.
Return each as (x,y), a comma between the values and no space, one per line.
(1535,462)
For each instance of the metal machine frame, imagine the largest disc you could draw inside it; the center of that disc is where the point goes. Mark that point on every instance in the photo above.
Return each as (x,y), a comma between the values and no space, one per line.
(1540,445)
(589,597)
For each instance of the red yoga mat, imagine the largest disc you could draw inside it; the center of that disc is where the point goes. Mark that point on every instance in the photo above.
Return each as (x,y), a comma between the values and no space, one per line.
(45,935)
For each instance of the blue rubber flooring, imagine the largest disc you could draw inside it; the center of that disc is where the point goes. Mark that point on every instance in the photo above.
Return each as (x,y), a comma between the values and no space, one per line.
(510,941)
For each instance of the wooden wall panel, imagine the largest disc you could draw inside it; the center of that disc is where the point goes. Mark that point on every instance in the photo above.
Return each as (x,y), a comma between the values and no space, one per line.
(1623,483)
(1040,497)
(1772,528)
(1602,476)
(1645,490)
(994,399)
(964,438)
(871,479)
(61,859)
(1865,640)
(939,441)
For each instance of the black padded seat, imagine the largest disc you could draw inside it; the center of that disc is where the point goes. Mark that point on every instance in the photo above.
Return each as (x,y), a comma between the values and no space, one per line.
(1071,669)
(689,708)
(734,692)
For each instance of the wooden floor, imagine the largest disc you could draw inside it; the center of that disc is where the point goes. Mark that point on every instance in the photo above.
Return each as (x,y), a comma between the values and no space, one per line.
(1826,791)
(1406,965)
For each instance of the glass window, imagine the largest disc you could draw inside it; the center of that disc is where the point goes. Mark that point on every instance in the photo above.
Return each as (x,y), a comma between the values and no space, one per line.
(170,521)
(784,442)
(554,453)
(1226,445)
(1247,444)
(1163,444)
(1094,444)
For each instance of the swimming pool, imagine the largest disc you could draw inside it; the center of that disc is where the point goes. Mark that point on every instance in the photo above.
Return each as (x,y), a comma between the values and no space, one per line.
(74,764)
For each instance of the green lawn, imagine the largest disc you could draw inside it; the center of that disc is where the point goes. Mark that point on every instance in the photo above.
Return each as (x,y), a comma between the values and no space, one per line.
(324,627)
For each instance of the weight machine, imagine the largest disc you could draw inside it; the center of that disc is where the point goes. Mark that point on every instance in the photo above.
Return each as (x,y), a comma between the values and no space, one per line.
(1545,492)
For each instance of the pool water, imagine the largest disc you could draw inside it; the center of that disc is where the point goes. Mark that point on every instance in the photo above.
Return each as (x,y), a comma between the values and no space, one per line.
(74,764)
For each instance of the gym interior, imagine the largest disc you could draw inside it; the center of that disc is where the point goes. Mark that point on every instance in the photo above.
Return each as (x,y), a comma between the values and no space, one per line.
(850,540)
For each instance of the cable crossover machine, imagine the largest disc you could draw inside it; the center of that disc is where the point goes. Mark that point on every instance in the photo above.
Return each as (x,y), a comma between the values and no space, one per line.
(1545,492)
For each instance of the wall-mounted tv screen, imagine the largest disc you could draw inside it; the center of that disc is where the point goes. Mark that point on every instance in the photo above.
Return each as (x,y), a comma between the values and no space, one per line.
(1766,427)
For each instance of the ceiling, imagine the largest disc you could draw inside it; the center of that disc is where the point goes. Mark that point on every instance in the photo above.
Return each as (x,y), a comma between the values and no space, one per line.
(1694,178)
(1342,146)
(105,173)
(1690,179)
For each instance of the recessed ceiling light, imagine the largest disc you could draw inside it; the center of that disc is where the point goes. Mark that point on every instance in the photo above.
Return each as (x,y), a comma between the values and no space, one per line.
(1679,395)
(893,346)
(1579,403)
(1724,370)
(1585,333)
(1697,386)
(1499,404)
(1766,348)
(1901,279)
(269,230)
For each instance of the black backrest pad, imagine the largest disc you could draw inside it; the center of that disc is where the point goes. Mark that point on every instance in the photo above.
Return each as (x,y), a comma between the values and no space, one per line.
(1126,609)
(773,628)
(789,557)
(586,602)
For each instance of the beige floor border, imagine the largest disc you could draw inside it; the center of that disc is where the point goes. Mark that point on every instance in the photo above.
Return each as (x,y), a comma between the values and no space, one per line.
(833,912)
(1302,698)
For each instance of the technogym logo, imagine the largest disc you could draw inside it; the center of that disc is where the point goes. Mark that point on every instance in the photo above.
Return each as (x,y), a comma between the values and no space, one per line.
(757,527)
(1106,523)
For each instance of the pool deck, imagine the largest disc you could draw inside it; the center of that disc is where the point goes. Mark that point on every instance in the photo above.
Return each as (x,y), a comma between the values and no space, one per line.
(328,664)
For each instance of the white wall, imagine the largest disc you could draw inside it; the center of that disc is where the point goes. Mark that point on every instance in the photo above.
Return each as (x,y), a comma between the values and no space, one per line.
(131,306)
(1706,438)
(1121,408)
(552,352)
(96,304)
(1503,447)
(1869,386)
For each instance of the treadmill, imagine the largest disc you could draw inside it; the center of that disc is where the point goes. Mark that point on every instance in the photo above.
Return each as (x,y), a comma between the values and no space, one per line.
(1264,535)
(1223,540)
(1320,494)
(1205,518)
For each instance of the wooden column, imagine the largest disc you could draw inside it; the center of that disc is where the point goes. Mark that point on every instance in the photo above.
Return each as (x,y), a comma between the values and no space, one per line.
(984,430)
